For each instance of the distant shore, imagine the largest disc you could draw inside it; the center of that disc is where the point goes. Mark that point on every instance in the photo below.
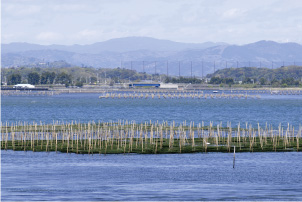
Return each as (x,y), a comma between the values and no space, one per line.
(57,89)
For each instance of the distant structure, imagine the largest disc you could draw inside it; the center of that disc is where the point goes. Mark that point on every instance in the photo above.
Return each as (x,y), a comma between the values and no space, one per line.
(155,85)
(168,86)
(24,86)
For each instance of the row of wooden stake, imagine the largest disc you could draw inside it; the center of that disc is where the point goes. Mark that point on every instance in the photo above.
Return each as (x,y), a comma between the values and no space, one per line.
(128,134)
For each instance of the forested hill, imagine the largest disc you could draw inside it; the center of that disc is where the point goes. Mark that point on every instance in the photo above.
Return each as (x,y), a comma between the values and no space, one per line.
(257,73)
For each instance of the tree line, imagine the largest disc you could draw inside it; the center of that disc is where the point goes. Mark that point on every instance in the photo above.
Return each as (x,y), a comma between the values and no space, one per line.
(183,80)
(279,77)
(35,78)
(71,75)
(284,76)
(262,81)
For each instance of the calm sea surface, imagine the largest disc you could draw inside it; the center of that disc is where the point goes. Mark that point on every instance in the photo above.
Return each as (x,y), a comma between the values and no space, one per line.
(51,176)
(57,176)
(88,107)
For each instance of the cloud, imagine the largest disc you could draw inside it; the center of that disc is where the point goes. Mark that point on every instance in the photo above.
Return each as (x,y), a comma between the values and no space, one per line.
(89,21)
(48,36)
(88,33)
(233,13)
(15,10)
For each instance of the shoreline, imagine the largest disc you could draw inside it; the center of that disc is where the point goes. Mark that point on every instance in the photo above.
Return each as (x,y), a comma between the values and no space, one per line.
(98,90)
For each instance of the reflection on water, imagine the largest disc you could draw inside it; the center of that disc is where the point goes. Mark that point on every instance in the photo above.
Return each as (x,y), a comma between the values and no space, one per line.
(51,176)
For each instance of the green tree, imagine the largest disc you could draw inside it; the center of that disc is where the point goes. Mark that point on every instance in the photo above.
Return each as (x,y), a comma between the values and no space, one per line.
(275,82)
(228,81)
(14,79)
(216,80)
(263,81)
(247,80)
(79,84)
(48,77)
(33,78)
(52,77)
(63,78)
(290,81)
(44,77)
(93,80)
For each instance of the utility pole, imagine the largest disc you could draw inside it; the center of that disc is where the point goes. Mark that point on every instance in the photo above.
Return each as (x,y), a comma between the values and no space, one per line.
(234,157)
(131,65)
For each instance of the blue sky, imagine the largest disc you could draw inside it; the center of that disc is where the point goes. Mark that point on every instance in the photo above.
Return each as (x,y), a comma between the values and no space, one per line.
(69,22)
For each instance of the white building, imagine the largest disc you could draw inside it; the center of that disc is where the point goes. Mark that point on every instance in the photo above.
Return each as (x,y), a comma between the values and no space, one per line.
(24,86)
(168,86)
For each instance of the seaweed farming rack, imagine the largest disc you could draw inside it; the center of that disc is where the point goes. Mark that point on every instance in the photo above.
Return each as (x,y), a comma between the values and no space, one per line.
(147,137)
(195,95)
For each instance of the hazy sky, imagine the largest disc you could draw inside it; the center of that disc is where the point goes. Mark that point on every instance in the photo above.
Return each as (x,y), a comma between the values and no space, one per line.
(88,21)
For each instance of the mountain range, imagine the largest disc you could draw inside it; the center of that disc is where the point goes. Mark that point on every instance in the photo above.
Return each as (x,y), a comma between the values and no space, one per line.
(130,52)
